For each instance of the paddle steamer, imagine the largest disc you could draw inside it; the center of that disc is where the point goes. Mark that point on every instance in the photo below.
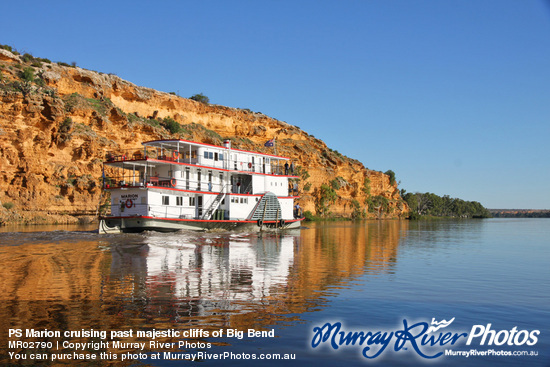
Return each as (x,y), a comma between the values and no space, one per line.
(171,185)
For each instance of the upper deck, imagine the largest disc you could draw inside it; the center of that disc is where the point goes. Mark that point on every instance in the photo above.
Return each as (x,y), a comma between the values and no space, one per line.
(185,152)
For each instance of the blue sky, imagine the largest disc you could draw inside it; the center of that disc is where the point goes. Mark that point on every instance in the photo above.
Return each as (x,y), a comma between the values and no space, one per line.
(453,96)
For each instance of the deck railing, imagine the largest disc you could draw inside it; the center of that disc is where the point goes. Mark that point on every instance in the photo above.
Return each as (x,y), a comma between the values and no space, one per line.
(161,211)
(129,181)
(166,155)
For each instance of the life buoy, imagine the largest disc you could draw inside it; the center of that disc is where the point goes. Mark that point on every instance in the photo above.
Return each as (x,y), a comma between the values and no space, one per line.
(173,182)
(259,222)
(249,165)
(129,203)
(175,155)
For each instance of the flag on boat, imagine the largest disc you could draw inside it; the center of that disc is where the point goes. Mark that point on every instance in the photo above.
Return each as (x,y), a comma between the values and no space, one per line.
(269,143)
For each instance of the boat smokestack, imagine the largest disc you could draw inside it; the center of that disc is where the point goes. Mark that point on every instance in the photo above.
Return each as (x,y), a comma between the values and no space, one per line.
(227,143)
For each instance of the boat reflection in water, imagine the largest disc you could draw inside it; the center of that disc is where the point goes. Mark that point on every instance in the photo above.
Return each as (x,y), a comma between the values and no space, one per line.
(211,270)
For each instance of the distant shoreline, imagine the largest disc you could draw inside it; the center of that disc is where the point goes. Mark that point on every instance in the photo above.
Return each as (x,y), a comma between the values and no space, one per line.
(520,213)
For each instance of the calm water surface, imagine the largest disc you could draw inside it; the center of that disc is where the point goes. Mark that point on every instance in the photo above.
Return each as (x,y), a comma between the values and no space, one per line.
(369,276)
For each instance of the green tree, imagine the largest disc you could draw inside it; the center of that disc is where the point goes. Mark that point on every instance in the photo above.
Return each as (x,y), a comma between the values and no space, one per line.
(324,197)
(412,201)
(380,204)
(429,204)
(366,187)
(357,211)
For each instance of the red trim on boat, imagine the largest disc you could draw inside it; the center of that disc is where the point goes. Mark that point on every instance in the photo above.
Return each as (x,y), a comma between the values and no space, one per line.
(201,220)
(193,191)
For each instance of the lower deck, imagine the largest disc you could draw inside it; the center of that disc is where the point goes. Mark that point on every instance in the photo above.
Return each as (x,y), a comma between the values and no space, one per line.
(170,203)
(141,223)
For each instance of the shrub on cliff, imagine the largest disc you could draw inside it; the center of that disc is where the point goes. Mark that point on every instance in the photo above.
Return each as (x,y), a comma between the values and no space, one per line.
(392,176)
(101,105)
(27,74)
(27,57)
(9,48)
(64,132)
(171,125)
(200,98)
(302,173)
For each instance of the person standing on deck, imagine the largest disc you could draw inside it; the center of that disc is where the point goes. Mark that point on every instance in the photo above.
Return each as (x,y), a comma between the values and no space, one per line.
(297,211)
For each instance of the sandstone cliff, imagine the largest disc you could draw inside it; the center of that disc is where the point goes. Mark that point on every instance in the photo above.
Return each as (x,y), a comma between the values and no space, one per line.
(57,122)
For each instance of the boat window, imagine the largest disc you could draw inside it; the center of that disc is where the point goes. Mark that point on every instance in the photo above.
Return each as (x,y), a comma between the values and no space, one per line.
(206,155)
(166,200)
(220,156)
(179,200)
(192,201)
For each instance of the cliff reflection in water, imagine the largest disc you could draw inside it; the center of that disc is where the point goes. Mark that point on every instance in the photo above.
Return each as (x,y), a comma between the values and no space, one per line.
(79,280)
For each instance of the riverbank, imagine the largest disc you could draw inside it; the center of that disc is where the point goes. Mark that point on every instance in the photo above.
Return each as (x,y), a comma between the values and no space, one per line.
(12,216)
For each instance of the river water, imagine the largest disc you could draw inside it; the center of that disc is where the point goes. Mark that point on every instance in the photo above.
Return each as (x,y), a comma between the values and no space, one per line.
(390,278)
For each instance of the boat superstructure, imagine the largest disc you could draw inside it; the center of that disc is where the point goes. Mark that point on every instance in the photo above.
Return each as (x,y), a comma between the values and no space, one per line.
(170,185)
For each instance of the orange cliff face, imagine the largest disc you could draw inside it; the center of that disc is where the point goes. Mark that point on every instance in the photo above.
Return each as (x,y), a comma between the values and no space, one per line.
(57,125)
